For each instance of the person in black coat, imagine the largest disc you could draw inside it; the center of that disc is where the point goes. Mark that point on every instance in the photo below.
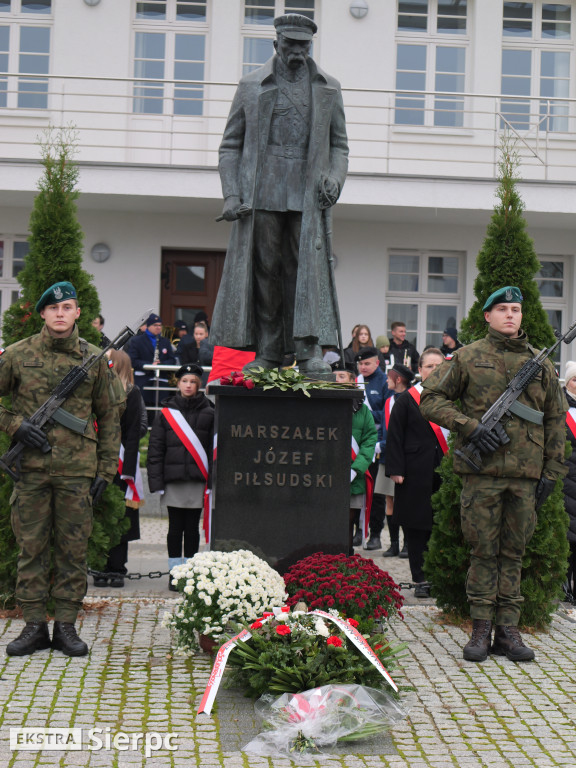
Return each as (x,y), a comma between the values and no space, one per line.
(570,479)
(413,452)
(150,348)
(133,425)
(186,417)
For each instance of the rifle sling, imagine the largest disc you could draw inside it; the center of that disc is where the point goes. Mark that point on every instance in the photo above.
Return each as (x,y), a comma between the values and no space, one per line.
(526,413)
(70,421)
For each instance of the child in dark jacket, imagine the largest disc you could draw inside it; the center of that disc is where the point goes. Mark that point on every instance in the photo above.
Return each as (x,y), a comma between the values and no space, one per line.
(180,461)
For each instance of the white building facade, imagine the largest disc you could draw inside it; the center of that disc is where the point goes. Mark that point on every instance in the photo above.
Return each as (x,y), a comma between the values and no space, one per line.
(428,86)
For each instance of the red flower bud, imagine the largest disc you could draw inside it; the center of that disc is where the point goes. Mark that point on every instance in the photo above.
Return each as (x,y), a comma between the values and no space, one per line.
(249,383)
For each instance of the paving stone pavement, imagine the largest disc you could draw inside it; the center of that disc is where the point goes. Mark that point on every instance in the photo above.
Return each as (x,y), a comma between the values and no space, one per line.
(460,714)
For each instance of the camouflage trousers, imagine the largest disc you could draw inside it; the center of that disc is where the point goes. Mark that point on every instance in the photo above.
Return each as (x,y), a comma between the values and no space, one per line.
(498,519)
(51,511)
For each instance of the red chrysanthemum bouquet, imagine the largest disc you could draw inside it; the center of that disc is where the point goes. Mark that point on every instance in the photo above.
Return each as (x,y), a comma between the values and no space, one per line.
(352,585)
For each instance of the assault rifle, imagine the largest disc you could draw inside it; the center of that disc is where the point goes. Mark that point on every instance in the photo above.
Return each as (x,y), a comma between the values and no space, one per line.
(47,413)
(506,403)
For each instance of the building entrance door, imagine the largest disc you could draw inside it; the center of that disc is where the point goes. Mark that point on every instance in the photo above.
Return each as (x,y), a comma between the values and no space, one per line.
(190,281)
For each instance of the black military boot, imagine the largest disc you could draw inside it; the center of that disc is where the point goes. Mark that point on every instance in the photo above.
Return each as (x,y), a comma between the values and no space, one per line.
(34,637)
(508,642)
(373,543)
(476,649)
(65,639)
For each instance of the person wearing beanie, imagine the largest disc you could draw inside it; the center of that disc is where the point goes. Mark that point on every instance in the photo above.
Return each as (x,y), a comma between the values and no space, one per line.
(383,347)
(450,342)
(180,462)
(150,348)
(570,479)
(519,466)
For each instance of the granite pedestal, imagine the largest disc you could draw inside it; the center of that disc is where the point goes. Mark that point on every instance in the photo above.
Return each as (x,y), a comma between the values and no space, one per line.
(282,472)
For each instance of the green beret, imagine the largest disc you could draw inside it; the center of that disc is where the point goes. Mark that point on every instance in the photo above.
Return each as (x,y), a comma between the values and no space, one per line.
(55,294)
(507,295)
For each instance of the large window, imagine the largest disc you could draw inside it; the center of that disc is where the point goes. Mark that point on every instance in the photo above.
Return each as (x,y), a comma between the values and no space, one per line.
(259,35)
(536,65)
(13,251)
(169,57)
(428,59)
(553,282)
(424,291)
(24,52)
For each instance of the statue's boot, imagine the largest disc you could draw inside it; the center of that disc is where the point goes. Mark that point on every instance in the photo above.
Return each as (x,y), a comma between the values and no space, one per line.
(260,362)
(309,357)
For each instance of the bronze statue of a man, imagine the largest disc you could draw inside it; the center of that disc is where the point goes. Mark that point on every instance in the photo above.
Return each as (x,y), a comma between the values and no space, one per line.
(283,162)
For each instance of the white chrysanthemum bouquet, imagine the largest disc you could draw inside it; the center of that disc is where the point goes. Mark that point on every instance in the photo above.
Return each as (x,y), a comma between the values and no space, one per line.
(218,588)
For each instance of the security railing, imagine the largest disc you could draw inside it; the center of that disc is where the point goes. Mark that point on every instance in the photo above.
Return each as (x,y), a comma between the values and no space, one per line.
(162,391)
(123,121)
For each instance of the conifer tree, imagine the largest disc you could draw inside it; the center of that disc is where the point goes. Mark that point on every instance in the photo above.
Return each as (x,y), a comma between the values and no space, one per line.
(55,254)
(507,257)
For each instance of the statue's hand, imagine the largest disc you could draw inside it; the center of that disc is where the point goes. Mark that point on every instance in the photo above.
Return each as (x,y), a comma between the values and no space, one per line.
(328,192)
(232,205)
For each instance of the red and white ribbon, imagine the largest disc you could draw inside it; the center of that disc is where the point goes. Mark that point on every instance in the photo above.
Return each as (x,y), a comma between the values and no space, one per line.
(571,420)
(218,670)
(440,432)
(188,437)
(360,642)
(209,500)
(135,489)
(368,496)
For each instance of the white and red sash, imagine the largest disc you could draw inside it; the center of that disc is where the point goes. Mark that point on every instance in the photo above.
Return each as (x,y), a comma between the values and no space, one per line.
(191,442)
(388,405)
(368,496)
(440,432)
(571,420)
(135,489)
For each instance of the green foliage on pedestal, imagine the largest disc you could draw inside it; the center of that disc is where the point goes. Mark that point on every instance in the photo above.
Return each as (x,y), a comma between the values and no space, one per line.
(507,257)
(55,254)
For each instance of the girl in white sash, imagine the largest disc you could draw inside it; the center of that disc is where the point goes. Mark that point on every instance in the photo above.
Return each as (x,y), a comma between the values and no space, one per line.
(180,461)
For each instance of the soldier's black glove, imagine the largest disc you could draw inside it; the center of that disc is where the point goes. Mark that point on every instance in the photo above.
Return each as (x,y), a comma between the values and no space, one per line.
(97,489)
(32,436)
(543,490)
(483,439)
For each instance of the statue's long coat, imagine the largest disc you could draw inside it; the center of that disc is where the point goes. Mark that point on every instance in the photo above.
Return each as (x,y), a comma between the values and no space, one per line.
(241,156)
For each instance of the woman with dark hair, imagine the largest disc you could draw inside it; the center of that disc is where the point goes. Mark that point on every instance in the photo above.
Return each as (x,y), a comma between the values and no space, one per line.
(414,449)
(362,338)
(133,425)
(180,461)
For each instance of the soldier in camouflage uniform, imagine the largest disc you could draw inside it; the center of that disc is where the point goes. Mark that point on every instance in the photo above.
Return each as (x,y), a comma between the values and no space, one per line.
(499,503)
(63,470)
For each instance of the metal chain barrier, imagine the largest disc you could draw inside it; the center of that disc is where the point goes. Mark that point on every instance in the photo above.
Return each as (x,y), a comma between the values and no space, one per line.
(129,576)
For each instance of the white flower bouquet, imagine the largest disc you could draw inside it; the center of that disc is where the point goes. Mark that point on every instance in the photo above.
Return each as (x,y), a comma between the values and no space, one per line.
(217,588)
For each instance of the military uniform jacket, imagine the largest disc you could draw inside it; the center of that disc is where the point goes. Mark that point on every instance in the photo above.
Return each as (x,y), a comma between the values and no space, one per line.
(29,371)
(477,375)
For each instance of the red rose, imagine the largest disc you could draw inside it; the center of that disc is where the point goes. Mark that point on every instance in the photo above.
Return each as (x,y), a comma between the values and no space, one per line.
(282,629)
(352,622)
(249,383)
(335,641)
(238,379)
(256,625)
(226,380)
